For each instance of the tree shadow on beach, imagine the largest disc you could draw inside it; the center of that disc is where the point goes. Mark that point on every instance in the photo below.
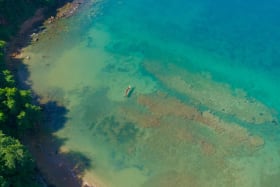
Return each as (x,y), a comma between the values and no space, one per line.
(61,167)
(56,165)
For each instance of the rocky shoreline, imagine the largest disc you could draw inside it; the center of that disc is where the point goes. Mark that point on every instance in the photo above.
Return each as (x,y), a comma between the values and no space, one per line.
(54,165)
(29,30)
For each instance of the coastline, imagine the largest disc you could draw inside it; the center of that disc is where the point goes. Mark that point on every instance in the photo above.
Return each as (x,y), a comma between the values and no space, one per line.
(212,132)
(29,29)
(55,166)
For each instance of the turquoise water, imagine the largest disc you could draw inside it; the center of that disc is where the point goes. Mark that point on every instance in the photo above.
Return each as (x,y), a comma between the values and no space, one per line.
(204,110)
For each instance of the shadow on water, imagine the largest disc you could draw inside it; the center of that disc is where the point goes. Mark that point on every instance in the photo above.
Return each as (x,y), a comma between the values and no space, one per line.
(57,165)
(54,116)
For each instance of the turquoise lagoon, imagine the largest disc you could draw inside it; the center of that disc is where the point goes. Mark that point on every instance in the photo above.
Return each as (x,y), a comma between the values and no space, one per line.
(205,106)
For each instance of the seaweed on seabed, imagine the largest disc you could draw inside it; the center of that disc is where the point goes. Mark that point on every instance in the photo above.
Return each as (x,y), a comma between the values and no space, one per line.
(115,131)
(127,132)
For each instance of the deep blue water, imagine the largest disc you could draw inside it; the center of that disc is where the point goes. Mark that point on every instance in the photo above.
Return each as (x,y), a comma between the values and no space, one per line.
(246,34)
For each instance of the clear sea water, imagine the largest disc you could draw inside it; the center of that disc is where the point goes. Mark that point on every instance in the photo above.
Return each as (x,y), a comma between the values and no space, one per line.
(205,104)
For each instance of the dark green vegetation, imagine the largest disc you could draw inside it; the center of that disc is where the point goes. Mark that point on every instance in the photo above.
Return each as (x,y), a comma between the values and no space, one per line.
(17,116)
(16,164)
(14,12)
(17,113)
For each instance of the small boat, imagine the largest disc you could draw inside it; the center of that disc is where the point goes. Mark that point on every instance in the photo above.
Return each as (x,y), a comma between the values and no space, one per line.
(128,91)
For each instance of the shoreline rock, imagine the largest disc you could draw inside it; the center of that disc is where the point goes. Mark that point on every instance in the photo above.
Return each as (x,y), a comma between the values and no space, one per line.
(30,29)
(68,10)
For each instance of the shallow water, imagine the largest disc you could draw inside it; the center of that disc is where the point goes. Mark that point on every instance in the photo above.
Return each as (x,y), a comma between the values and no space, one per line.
(204,110)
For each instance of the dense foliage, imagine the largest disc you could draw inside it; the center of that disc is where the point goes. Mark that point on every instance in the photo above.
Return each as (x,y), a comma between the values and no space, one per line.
(17,113)
(16,164)
(14,12)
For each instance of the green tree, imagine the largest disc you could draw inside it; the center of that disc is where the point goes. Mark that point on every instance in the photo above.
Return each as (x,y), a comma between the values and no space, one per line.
(16,164)
(17,113)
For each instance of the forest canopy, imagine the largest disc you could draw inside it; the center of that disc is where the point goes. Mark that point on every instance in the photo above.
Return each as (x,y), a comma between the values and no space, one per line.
(16,164)
(16,117)
(18,114)
(14,12)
